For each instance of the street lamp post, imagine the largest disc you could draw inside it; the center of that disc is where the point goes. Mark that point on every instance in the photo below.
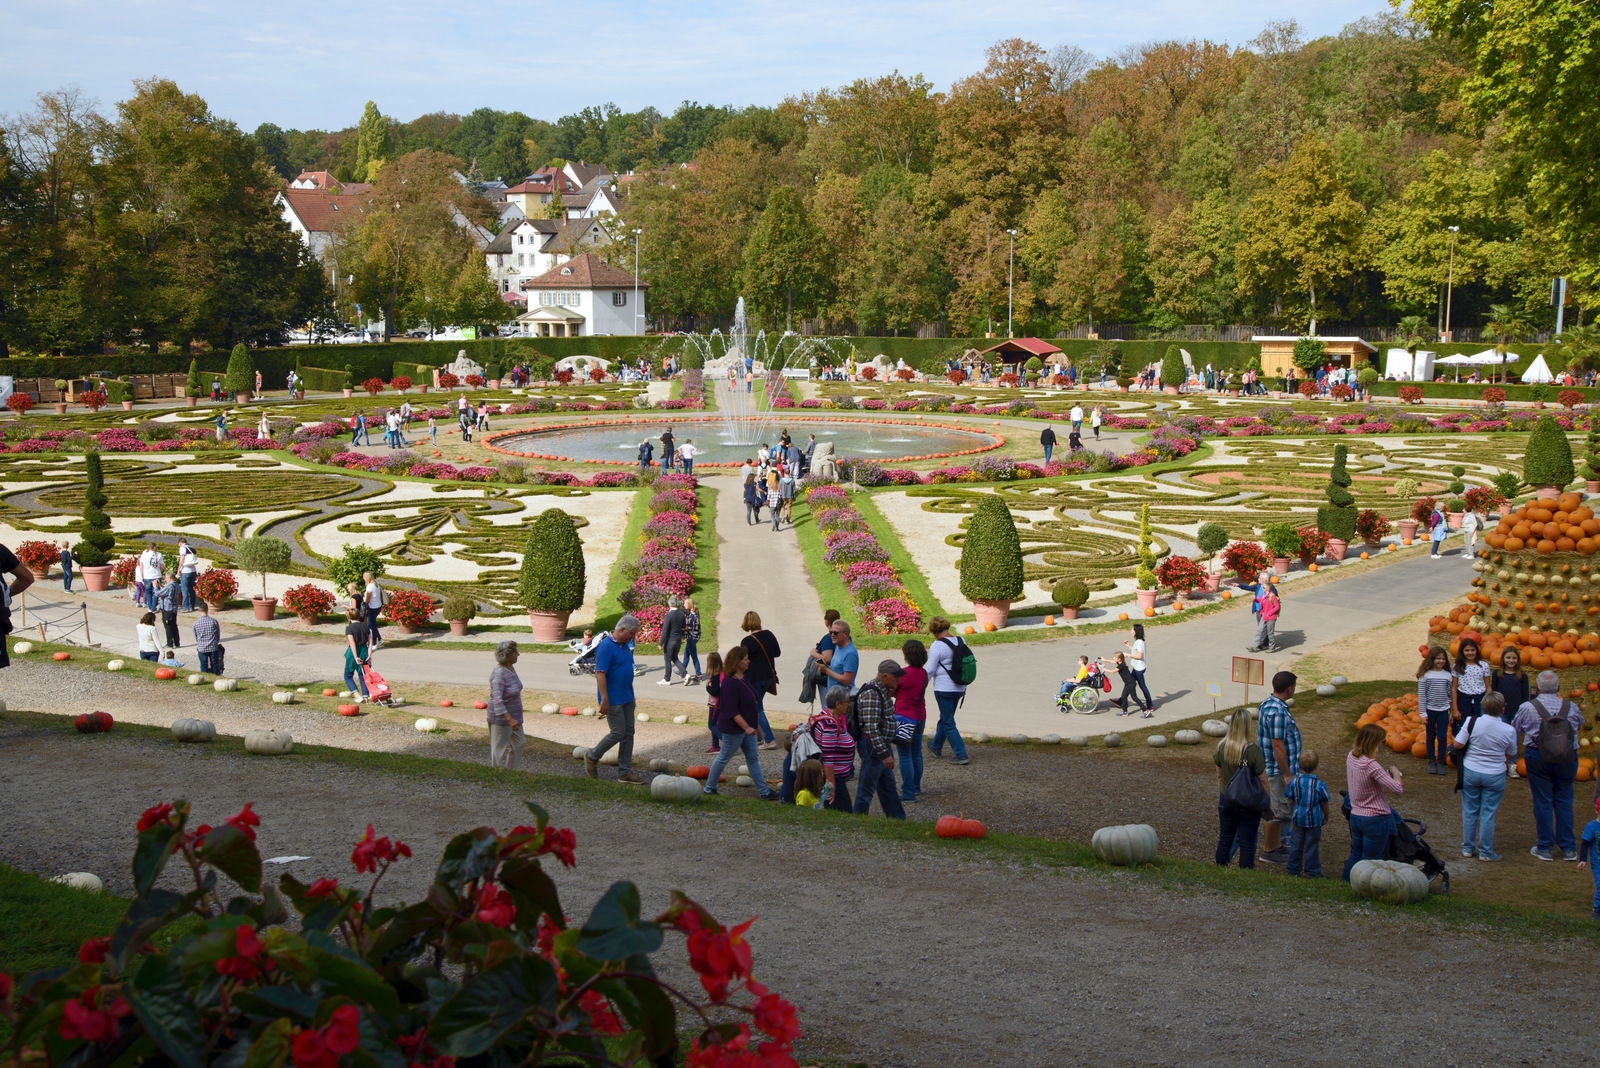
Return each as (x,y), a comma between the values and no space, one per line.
(1450,283)
(1011,276)
(636,330)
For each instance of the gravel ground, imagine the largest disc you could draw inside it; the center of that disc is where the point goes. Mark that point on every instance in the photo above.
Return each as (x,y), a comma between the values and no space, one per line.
(1055,967)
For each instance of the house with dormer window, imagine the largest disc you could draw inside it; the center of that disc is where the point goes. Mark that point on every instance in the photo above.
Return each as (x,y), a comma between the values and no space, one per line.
(583,297)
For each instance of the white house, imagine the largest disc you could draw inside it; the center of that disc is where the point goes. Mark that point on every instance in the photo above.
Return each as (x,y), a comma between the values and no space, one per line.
(528,248)
(315,216)
(586,191)
(583,297)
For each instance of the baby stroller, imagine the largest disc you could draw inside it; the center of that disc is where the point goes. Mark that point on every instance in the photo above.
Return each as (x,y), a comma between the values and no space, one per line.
(1407,845)
(583,662)
(378,691)
(1083,697)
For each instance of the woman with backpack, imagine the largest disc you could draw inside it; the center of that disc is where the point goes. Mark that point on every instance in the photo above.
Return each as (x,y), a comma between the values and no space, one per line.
(949,663)
(1239,823)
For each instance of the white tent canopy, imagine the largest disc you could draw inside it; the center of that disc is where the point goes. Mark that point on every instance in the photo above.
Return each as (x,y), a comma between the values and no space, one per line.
(1538,371)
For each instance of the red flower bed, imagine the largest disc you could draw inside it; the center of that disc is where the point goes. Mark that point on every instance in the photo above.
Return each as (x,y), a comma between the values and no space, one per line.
(400,383)
(308,599)
(1410,394)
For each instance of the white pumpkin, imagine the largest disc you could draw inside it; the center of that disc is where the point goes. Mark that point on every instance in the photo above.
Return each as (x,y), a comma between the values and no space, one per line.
(1079,739)
(979,738)
(427,723)
(680,719)
(1327,689)
(269,742)
(658,764)
(225,685)
(1156,741)
(588,712)
(1113,739)
(550,709)
(194,730)
(1019,739)
(1129,844)
(81,880)
(283,697)
(1051,739)
(1188,737)
(742,769)
(114,665)
(1389,881)
(744,780)
(675,788)
(643,717)
(609,759)
(579,752)
(1214,728)
(302,689)
(195,680)
(22,647)
(1340,680)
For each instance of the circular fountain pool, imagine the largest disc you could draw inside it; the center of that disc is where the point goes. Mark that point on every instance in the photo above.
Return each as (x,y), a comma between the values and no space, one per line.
(718,443)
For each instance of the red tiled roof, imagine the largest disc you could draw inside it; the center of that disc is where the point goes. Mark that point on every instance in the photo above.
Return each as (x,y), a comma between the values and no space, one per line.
(1031,345)
(540,182)
(321,211)
(321,179)
(587,271)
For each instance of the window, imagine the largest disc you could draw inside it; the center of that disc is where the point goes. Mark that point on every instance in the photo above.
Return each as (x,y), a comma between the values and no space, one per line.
(519,239)
(619,299)
(519,259)
(547,298)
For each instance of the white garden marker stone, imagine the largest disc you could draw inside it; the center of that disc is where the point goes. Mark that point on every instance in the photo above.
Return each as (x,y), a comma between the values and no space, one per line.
(81,880)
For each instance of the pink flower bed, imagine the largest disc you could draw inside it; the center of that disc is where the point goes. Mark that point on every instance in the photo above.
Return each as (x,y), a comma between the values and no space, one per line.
(882,602)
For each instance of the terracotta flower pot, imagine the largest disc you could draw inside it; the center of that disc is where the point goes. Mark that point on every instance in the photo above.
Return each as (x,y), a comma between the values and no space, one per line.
(1145,598)
(405,628)
(308,618)
(1546,492)
(458,628)
(548,627)
(191,401)
(1280,564)
(994,612)
(266,607)
(96,578)
(348,392)
(1067,612)
(61,408)
(1591,486)
(1337,547)
(1408,529)
(1171,391)
(1454,519)
(1213,582)
(216,606)
(244,396)
(423,388)
(127,406)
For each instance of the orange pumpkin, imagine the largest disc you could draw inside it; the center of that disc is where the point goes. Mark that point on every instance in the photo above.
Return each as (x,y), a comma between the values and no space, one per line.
(480,704)
(973,829)
(330,693)
(1419,749)
(698,771)
(61,656)
(944,826)
(166,673)
(349,710)
(447,703)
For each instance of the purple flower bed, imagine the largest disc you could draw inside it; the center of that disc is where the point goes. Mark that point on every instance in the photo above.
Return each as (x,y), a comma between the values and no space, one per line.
(881,599)
(665,565)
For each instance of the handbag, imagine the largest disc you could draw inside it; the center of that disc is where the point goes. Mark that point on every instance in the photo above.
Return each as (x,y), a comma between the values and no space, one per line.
(1244,790)
(772,686)
(1459,752)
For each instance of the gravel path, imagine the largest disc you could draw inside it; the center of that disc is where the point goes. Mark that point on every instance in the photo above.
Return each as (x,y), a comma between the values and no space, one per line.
(1054,967)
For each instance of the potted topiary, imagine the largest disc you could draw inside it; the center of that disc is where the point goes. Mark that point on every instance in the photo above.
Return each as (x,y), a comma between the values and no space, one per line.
(1032,369)
(119,392)
(552,581)
(1173,373)
(1145,575)
(1337,518)
(192,390)
(1211,539)
(458,610)
(1283,542)
(308,601)
(1509,486)
(1071,594)
(1371,527)
(1547,463)
(349,380)
(61,398)
(1180,575)
(1405,489)
(991,562)
(216,587)
(1455,507)
(408,610)
(93,551)
(262,555)
(240,377)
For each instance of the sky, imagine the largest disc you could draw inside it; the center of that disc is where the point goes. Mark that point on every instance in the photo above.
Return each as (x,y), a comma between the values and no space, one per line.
(314,66)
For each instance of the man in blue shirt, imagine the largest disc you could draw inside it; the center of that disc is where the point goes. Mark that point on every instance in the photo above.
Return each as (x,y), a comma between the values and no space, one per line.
(613,675)
(846,661)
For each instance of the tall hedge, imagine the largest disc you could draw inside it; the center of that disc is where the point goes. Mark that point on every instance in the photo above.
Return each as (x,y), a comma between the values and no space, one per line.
(241,374)
(96,540)
(1591,459)
(1548,459)
(194,388)
(991,554)
(552,578)
(1337,518)
(1173,373)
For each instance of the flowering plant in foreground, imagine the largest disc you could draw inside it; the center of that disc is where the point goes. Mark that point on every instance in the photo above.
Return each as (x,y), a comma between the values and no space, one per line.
(485,968)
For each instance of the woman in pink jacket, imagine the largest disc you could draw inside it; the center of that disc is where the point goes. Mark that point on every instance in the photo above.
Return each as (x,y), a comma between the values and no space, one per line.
(1371,817)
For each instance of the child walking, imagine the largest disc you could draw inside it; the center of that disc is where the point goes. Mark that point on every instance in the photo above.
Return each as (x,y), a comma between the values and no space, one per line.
(1129,685)
(1589,856)
(713,691)
(1309,796)
(1267,609)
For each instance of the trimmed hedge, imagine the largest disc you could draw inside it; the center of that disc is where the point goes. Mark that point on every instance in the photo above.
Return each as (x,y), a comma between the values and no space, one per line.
(1463,391)
(1547,460)
(991,554)
(552,578)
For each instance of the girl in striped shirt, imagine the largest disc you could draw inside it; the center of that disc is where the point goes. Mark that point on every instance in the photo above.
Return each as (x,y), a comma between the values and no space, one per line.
(1471,680)
(1435,700)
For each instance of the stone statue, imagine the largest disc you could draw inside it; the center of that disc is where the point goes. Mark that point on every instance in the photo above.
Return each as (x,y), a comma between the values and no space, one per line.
(822,463)
(464,367)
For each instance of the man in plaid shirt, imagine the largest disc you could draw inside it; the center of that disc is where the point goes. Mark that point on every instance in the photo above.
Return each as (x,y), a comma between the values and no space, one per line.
(1279,738)
(874,708)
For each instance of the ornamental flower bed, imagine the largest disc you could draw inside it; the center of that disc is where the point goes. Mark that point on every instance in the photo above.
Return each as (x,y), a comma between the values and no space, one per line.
(408,608)
(307,600)
(666,561)
(187,978)
(881,600)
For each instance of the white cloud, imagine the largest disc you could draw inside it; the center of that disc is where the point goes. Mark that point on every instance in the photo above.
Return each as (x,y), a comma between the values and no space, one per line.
(315,66)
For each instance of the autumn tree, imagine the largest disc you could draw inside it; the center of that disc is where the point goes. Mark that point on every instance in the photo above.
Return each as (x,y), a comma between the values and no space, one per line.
(783,260)
(372,143)
(1301,233)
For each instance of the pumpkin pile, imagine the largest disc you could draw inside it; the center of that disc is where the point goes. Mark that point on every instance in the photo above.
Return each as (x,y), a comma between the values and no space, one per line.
(1544,526)
(1403,728)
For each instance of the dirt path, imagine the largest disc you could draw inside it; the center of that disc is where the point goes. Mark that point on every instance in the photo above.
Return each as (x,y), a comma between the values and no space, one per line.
(944,961)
